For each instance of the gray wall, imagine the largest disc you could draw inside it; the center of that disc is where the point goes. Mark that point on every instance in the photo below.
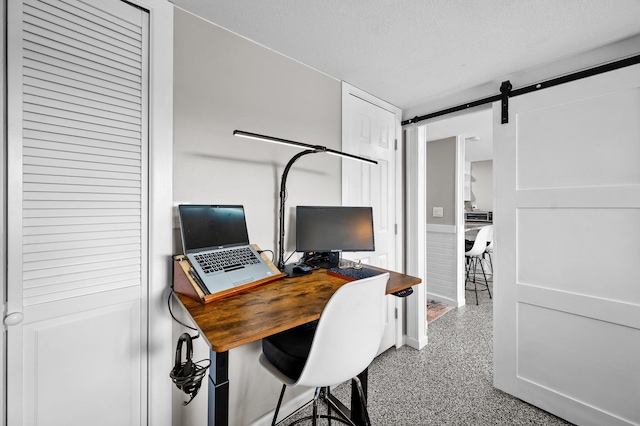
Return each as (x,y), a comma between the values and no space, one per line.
(223,82)
(441,180)
(482,184)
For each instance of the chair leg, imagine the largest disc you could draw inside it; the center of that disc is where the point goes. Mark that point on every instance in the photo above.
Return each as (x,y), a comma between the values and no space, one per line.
(470,272)
(486,283)
(315,406)
(486,259)
(475,279)
(467,267)
(275,416)
(327,393)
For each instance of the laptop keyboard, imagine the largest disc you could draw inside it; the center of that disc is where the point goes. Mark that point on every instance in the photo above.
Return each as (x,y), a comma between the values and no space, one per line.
(226,260)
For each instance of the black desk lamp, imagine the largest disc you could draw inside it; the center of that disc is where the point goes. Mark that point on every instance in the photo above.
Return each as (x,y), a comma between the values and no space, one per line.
(308,149)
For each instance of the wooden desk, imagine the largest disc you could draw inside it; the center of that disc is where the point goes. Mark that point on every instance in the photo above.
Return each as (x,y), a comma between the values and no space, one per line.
(261,312)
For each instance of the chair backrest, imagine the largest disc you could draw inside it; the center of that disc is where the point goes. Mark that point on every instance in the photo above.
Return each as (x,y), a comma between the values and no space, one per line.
(480,243)
(490,240)
(349,333)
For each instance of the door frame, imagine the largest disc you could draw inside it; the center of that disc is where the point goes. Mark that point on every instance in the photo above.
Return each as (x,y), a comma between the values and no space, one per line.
(160,169)
(416,232)
(3,204)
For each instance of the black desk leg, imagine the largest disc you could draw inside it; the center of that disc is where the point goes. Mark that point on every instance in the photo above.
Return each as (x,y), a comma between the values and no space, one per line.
(218,414)
(356,413)
(357,409)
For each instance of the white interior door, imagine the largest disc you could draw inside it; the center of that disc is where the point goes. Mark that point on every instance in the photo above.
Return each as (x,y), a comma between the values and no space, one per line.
(77,213)
(369,130)
(567,299)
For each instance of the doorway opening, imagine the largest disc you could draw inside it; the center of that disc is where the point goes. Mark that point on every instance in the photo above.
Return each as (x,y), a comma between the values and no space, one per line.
(459,194)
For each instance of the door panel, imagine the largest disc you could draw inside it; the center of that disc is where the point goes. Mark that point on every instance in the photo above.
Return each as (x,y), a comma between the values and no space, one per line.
(86,354)
(369,131)
(567,304)
(370,134)
(77,213)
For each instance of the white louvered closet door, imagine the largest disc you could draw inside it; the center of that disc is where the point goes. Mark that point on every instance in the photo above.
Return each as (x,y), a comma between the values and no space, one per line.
(77,213)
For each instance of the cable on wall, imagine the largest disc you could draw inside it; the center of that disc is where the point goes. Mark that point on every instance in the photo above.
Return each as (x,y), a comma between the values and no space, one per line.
(507,92)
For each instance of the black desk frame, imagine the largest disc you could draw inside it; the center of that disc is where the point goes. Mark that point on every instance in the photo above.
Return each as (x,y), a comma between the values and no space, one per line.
(218,407)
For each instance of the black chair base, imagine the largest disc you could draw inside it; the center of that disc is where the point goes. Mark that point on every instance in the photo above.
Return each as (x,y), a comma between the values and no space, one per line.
(472,265)
(324,395)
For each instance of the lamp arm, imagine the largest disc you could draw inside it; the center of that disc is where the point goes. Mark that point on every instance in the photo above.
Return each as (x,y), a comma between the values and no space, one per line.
(283,193)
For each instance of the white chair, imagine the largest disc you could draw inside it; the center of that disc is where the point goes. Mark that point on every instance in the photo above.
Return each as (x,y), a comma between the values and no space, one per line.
(342,345)
(487,256)
(474,258)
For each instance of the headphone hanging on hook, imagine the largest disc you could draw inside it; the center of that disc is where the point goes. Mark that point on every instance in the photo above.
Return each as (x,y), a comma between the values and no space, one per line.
(188,375)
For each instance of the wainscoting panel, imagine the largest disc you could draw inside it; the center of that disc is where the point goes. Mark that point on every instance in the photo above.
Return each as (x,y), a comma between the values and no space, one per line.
(442,264)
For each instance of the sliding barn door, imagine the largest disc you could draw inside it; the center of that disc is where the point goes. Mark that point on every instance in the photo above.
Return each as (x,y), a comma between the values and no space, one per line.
(567,293)
(77,213)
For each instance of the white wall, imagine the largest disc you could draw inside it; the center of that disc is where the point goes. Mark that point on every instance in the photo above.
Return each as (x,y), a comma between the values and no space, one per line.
(223,82)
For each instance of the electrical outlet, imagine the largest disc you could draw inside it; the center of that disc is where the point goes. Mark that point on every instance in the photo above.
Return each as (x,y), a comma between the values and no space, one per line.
(438,212)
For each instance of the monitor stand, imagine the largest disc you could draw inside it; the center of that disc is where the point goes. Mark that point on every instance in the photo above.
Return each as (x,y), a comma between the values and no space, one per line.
(288,269)
(334,259)
(326,260)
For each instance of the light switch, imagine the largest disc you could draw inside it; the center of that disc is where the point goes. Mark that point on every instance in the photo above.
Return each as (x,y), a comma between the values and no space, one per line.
(438,212)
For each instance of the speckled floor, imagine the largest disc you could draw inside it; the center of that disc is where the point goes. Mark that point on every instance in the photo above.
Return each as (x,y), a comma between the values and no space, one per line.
(449,382)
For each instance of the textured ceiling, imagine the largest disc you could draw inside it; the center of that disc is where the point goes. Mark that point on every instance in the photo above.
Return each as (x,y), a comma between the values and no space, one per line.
(414,51)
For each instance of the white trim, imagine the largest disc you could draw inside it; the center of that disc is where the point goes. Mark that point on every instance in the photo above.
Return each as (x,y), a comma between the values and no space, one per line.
(460,246)
(160,346)
(416,243)
(14,398)
(3,203)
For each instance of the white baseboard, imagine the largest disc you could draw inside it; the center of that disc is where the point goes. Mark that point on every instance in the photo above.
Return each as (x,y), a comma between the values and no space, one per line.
(444,299)
(414,343)
(286,409)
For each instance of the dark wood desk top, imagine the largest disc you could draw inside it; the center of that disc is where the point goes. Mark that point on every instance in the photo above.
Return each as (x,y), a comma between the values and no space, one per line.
(271,308)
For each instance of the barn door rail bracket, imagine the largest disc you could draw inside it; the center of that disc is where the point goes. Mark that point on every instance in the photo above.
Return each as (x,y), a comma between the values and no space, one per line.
(507,91)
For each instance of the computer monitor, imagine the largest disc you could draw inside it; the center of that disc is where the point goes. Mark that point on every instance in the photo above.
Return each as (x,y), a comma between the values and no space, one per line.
(321,229)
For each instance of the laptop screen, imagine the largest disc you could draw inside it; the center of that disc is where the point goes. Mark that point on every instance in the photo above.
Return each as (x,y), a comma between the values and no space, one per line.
(206,227)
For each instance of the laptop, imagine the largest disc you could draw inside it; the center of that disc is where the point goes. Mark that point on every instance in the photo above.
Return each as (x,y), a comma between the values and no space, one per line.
(216,242)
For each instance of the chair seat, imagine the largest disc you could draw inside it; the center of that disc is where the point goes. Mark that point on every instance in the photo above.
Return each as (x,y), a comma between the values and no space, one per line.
(468,244)
(288,351)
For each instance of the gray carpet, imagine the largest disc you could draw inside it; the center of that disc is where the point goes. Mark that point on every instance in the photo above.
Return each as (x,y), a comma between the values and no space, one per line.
(449,382)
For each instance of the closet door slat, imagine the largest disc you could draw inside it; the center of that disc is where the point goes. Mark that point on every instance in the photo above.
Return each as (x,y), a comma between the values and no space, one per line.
(84,149)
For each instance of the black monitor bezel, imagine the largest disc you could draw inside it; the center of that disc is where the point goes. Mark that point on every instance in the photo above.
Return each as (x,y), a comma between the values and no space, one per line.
(349,249)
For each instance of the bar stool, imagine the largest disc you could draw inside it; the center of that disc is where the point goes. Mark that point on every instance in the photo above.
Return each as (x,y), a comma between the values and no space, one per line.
(473,258)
